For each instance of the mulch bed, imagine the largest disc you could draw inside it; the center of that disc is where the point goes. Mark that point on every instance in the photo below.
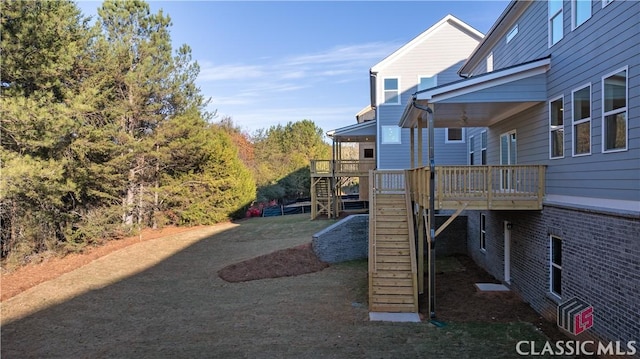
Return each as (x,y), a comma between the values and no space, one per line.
(283,263)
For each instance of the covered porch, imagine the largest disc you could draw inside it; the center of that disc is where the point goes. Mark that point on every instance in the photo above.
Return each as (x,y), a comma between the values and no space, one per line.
(480,101)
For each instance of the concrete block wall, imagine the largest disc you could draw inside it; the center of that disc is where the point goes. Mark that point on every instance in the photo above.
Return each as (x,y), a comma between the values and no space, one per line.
(343,241)
(600,262)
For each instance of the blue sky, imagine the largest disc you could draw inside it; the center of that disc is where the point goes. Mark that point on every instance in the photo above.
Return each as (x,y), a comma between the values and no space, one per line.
(266,63)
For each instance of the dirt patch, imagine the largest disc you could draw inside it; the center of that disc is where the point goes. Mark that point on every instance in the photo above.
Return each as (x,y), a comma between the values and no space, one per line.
(458,300)
(283,263)
(17,281)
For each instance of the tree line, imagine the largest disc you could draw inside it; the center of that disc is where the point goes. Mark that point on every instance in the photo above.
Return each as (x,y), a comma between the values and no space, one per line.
(104,132)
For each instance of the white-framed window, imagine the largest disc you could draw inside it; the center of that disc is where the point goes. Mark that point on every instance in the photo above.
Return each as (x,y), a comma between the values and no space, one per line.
(390,135)
(556,23)
(455,135)
(606,2)
(483,232)
(581,110)
(615,124)
(483,147)
(472,149)
(556,128)
(391,91)
(427,82)
(555,265)
(581,11)
(490,62)
(512,33)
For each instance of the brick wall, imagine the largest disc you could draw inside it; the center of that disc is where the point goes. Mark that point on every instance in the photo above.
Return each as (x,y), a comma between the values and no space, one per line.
(600,262)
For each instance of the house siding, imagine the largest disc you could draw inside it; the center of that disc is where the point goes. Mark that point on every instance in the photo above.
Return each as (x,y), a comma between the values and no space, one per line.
(600,246)
(600,262)
(442,53)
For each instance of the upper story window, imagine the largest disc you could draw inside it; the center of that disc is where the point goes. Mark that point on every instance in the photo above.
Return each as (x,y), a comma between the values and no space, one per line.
(582,121)
(614,111)
(606,2)
(581,11)
(490,62)
(512,33)
(455,135)
(392,91)
(427,82)
(556,128)
(390,135)
(556,27)
(483,148)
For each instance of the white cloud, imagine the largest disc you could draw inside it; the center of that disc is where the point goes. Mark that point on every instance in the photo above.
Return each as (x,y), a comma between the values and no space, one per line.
(211,72)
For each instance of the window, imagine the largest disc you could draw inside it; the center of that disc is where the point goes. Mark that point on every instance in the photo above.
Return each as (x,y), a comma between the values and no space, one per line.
(391,91)
(427,82)
(556,128)
(390,134)
(483,232)
(490,62)
(606,2)
(581,11)
(556,266)
(614,112)
(472,145)
(454,135)
(582,121)
(512,33)
(368,153)
(483,147)
(555,22)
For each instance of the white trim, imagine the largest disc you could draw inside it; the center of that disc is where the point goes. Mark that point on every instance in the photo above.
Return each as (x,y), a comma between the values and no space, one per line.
(471,150)
(550,17)
(626,110)
(462,134)
(574,9)
(383,101)
(490,62)
(552,265)
(594,203)
(561,98)
(512,33)
(484,148)
(507,252)
(580,121)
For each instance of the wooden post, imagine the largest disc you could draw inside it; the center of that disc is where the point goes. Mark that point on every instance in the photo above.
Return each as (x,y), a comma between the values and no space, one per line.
(421,249)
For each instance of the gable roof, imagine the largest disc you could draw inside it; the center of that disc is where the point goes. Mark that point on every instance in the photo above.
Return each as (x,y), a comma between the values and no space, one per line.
(360,132)
(449,19)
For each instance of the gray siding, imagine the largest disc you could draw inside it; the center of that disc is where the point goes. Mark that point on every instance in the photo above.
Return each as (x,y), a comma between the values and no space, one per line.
(441,54)
(608,41)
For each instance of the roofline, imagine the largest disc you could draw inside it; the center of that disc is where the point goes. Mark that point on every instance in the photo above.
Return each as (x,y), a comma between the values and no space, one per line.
(500,28)
(428,94)
(349,128)
(424,35)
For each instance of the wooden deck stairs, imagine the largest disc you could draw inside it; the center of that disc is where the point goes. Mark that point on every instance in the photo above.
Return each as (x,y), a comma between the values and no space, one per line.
(392,267)
(321,195)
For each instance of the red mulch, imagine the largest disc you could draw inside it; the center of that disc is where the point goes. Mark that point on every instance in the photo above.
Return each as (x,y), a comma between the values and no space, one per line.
(283,263)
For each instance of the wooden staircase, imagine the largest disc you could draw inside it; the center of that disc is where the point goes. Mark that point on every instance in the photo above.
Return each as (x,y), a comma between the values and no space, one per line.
(321,195)
(392,265)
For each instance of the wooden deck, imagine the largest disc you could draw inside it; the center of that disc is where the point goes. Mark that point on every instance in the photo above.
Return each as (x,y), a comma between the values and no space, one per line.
(395,271)
(342,168)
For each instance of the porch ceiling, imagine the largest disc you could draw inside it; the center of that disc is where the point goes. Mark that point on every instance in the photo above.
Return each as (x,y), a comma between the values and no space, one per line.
(361,132)
(482,100)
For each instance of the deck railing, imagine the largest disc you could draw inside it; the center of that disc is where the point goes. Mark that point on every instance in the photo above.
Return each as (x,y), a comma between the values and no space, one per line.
(342,167)
(481,187)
